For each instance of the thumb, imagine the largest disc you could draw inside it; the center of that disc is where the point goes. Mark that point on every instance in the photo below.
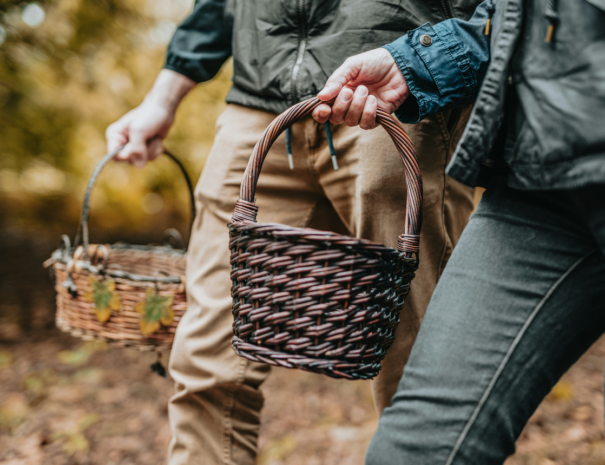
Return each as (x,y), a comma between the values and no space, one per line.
(343,75)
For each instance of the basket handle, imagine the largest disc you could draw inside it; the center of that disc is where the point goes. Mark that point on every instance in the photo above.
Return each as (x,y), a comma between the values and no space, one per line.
(408,242)
(82,233)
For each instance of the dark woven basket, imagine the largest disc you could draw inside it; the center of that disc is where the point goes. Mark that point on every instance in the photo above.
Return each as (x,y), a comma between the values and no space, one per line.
(133,272)
(316,300)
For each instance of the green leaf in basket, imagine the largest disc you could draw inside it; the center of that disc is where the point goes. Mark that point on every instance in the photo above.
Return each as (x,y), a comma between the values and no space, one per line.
(156,310)
(104,298)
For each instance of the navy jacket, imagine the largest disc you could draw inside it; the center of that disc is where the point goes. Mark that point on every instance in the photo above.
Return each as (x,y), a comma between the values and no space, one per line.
(544,60)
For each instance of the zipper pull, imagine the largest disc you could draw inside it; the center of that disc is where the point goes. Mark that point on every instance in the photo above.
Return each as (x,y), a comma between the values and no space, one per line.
(491,8)
(551,13)
(549,32)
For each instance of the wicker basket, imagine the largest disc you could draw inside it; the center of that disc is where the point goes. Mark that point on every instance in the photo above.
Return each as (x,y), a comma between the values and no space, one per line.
(114,293)
(316,300)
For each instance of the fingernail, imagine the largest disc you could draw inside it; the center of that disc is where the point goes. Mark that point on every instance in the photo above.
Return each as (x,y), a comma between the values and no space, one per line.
(346,95)
(371,100)
(361,91)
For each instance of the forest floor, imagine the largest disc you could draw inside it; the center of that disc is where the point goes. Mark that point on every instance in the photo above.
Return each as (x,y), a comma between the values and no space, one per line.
(67,402)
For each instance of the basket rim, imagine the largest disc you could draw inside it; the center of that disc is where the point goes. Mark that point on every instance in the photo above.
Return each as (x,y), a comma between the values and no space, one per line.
(64,257)
(246,209)
(316,235)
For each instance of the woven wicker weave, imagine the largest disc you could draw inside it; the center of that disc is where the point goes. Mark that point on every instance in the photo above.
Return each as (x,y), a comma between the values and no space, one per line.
(316,300)
(133,268)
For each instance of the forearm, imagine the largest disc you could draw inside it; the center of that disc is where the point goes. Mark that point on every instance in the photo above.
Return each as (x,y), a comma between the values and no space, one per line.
(169,89)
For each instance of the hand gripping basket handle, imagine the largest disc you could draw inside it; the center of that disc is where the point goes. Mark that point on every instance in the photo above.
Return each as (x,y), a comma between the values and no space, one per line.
(408,242)
(83,227)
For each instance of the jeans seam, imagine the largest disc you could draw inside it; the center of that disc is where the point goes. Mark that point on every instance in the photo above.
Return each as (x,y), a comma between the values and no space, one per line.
(508,355)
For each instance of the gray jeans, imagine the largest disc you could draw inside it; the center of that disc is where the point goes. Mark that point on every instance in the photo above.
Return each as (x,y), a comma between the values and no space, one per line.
(521,299)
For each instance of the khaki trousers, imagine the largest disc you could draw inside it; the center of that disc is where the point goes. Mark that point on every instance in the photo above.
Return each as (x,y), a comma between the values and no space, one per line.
(215,413)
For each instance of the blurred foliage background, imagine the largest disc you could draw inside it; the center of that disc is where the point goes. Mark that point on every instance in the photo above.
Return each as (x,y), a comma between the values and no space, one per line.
(69,68)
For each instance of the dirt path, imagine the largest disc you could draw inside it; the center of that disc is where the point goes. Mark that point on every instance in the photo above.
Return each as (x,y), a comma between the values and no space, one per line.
(64,402)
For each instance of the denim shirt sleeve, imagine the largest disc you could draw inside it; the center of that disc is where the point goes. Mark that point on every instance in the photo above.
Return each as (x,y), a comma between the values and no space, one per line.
(202,42)
(448,72)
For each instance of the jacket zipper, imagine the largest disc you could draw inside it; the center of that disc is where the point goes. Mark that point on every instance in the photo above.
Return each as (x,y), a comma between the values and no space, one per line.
(446,8)
(302,44)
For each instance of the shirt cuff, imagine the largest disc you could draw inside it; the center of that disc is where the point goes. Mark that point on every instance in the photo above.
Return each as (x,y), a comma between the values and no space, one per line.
(435,68)
(185,67)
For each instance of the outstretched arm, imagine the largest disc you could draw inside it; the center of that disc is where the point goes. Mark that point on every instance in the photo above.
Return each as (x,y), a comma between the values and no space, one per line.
(200,46)
(142,129)
(430,69)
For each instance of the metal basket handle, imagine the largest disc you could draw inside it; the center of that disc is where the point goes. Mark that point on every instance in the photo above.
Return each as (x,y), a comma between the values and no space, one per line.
(246,210)
(82,233)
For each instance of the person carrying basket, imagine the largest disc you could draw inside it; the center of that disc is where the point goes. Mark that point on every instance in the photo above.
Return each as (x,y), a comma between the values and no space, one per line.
(521,298)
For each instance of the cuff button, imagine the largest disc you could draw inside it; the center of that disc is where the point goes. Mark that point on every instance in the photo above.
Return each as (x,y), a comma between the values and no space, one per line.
(426,40)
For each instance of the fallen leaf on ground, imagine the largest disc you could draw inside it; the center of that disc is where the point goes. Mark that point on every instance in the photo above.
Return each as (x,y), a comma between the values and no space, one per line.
(6,358)
(73,438)
(74,357)
(277,450)
(563,391)
(13,410)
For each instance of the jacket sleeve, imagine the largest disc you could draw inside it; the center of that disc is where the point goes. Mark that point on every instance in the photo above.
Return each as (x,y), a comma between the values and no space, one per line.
(202,42)
(445,69)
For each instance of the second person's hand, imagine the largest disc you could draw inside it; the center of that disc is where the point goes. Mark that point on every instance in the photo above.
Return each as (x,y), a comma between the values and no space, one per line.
(363,83)
(142,129)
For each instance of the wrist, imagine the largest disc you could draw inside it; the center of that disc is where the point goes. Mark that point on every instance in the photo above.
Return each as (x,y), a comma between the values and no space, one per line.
(169,90)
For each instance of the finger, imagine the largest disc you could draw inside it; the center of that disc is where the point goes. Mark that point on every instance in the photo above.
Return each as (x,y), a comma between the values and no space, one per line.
(136,150)
(339,78)
(322,113)
(117,133)
(341,105)
(357,105)
(155,148)
(368,117)
(116,137)
(122,155)
(330,91)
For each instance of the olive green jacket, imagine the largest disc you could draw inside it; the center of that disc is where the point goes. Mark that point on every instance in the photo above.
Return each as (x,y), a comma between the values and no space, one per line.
(284,50)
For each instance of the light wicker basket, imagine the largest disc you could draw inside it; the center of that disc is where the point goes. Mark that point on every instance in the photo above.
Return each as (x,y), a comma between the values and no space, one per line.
(105,291)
